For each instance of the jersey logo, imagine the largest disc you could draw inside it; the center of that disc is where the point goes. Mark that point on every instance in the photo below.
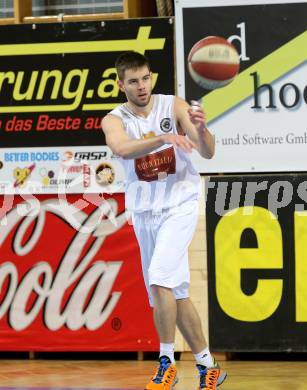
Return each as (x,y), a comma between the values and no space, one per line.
(166,125)
(156,165)
(151,134)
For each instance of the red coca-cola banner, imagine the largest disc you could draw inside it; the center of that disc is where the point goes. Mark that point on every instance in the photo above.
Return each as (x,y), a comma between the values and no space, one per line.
(70,276)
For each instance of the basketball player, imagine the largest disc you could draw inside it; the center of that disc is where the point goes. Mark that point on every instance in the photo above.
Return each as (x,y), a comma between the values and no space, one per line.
(154,135)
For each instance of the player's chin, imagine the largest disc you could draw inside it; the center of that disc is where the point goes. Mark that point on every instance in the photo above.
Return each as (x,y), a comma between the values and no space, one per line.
(142,103)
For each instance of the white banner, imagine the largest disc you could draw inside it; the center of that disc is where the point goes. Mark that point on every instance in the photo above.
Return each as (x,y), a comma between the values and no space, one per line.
(259,119)
(87,169)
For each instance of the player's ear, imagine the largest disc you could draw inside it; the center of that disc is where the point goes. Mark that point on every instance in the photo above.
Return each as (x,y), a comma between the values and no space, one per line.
(120,84)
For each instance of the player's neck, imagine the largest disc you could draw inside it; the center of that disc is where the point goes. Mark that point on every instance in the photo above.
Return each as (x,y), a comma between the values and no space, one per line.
(139,110)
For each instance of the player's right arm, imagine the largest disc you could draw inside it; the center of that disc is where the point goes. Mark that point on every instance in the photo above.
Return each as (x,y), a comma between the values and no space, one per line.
(122,145)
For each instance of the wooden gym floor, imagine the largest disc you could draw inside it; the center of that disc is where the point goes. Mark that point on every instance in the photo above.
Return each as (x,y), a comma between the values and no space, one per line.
(120,375)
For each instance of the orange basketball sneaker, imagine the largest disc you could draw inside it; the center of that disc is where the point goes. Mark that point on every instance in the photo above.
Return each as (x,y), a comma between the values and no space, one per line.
(165,376)
(210,378)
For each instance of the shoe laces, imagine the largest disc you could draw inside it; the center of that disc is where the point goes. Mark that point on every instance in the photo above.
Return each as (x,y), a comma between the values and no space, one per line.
(165,363)
(208,377)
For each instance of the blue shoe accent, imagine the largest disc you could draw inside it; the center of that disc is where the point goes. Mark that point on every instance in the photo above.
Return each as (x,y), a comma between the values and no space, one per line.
(204,371)
(165,362)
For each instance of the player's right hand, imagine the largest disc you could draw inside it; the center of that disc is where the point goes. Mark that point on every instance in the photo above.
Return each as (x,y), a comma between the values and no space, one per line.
(179,141)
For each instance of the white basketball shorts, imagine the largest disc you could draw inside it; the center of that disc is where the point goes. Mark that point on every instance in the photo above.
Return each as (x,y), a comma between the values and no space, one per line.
(164,239)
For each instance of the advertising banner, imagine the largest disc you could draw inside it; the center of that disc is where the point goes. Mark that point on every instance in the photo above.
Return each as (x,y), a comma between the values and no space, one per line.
(257,263)
(61,170)
(259,118)
(57,81)
(70,276)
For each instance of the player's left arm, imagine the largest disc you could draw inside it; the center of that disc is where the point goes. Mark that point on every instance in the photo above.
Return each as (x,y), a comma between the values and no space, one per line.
(192,122)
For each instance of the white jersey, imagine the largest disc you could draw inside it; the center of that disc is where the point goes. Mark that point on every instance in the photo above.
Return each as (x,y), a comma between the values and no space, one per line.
(165,177)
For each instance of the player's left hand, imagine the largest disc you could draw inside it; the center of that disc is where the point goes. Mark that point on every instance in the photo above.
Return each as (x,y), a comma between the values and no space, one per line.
(197,115)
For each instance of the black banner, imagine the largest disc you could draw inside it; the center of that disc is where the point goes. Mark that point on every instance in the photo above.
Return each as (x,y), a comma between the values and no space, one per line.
(57,81)
(257,263)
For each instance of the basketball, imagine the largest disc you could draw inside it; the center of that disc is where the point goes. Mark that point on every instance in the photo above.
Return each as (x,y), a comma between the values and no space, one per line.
(213,62)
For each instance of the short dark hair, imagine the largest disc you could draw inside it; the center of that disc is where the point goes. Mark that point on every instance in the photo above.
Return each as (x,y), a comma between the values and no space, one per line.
(130,60)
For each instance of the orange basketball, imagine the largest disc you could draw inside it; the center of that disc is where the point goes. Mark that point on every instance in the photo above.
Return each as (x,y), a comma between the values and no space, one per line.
(213,62)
